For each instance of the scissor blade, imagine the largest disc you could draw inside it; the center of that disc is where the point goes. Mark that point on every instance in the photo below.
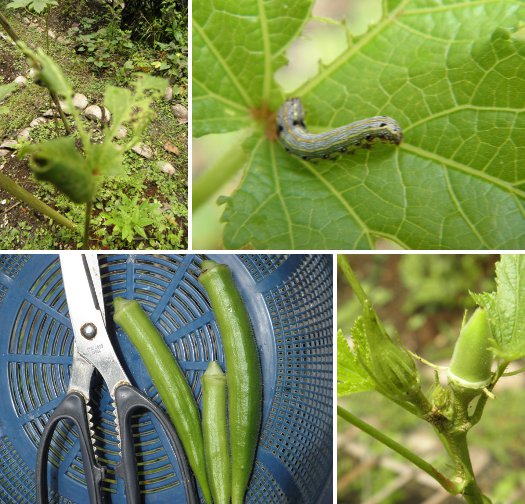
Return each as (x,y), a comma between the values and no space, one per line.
(87,318)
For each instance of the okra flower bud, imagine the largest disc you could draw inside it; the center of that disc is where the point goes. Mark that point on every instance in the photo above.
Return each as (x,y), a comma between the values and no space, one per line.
(472,360)
(391,366)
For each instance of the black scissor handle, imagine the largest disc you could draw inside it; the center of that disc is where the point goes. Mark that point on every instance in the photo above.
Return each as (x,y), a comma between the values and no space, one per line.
(72,408)
(128,399)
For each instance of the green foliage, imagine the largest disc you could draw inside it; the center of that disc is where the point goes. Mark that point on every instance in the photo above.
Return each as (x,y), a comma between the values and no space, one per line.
(160,47)
(440,280)
(131,218)
(37,6)
(59,162)
(351,374)
(506,308)
(452,73)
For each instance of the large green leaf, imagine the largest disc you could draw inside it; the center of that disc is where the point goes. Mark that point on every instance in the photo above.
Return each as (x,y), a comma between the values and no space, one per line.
(506,307)
(452,73)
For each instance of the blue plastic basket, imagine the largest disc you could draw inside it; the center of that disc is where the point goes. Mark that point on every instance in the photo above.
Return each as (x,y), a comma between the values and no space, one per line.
(289,299)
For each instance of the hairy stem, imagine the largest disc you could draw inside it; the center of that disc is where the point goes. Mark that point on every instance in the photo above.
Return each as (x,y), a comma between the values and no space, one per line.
(447,484)
(20,193)
(350,277)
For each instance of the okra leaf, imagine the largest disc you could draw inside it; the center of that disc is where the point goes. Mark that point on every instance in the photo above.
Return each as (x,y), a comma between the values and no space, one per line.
(119,101)
(451,73)
(51,76)
(37,6)
(506,307)
(352,377)
(59,162)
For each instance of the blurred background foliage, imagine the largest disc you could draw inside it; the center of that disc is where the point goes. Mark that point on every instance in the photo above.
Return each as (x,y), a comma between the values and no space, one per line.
(422,297)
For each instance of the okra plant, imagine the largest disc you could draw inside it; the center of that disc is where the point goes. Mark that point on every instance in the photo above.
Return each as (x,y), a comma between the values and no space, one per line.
(491,338)
(77,163)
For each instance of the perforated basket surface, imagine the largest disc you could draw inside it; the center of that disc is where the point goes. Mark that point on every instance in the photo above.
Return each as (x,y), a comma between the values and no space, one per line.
(289,299)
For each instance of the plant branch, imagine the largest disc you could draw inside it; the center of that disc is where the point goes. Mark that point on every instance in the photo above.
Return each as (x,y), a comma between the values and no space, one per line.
(207,184)
(350,277)
(447,484)
(20,193)
(87,223)
(7,27)
(478,412)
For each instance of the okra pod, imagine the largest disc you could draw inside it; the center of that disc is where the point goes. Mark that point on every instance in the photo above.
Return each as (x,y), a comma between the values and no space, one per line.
(243,371)
(215,432)
(170,381)
(471,362)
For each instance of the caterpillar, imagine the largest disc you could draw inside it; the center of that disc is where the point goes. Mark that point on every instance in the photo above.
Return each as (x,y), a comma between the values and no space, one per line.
(297,140)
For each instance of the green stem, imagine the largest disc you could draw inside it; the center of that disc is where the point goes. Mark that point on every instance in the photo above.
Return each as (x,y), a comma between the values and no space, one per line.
(87,223)
(480,406)
(448,485)
(207,184)
(347,271)
(56,101)
(47,31)
(20,193)
(7,27)
(457,447)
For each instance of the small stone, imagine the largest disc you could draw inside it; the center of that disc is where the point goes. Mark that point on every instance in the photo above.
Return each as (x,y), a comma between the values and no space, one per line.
(38,121)
(49,113)
(64,107)
(121,133)
(80,101)
(9,144)
(24,135)
(51,34)
(4,152)
(167,168)
(32,73)
(143,150)
(107,116)
(168,95)
(26,21)
(181,113)
(21,81)
(62,40)
(93,112)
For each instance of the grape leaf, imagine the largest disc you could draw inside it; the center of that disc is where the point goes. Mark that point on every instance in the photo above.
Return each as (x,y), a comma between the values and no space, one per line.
(451,73)
(506,308)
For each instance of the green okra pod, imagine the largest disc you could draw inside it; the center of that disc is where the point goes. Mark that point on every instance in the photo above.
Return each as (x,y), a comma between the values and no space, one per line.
(471,362)
(243,371)
(170,381)
(215,432)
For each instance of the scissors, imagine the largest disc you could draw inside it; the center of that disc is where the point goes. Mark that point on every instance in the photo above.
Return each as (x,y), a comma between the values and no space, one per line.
(93,351)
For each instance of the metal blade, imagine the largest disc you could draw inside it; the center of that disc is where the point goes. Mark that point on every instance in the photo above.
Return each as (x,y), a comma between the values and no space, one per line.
(85,303)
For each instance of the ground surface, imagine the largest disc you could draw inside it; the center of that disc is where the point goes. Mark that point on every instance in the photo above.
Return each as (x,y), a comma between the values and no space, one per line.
(23,228)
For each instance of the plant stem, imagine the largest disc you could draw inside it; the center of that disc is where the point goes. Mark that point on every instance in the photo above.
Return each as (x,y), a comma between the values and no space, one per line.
(47,31)
(457,447)
(207,184)
(350,277)
(447,484)
(20,193)
(87,222)
(56,101)
(7,27)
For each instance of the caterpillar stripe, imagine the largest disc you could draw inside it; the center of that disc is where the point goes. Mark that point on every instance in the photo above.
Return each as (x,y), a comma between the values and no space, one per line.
(297,140)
